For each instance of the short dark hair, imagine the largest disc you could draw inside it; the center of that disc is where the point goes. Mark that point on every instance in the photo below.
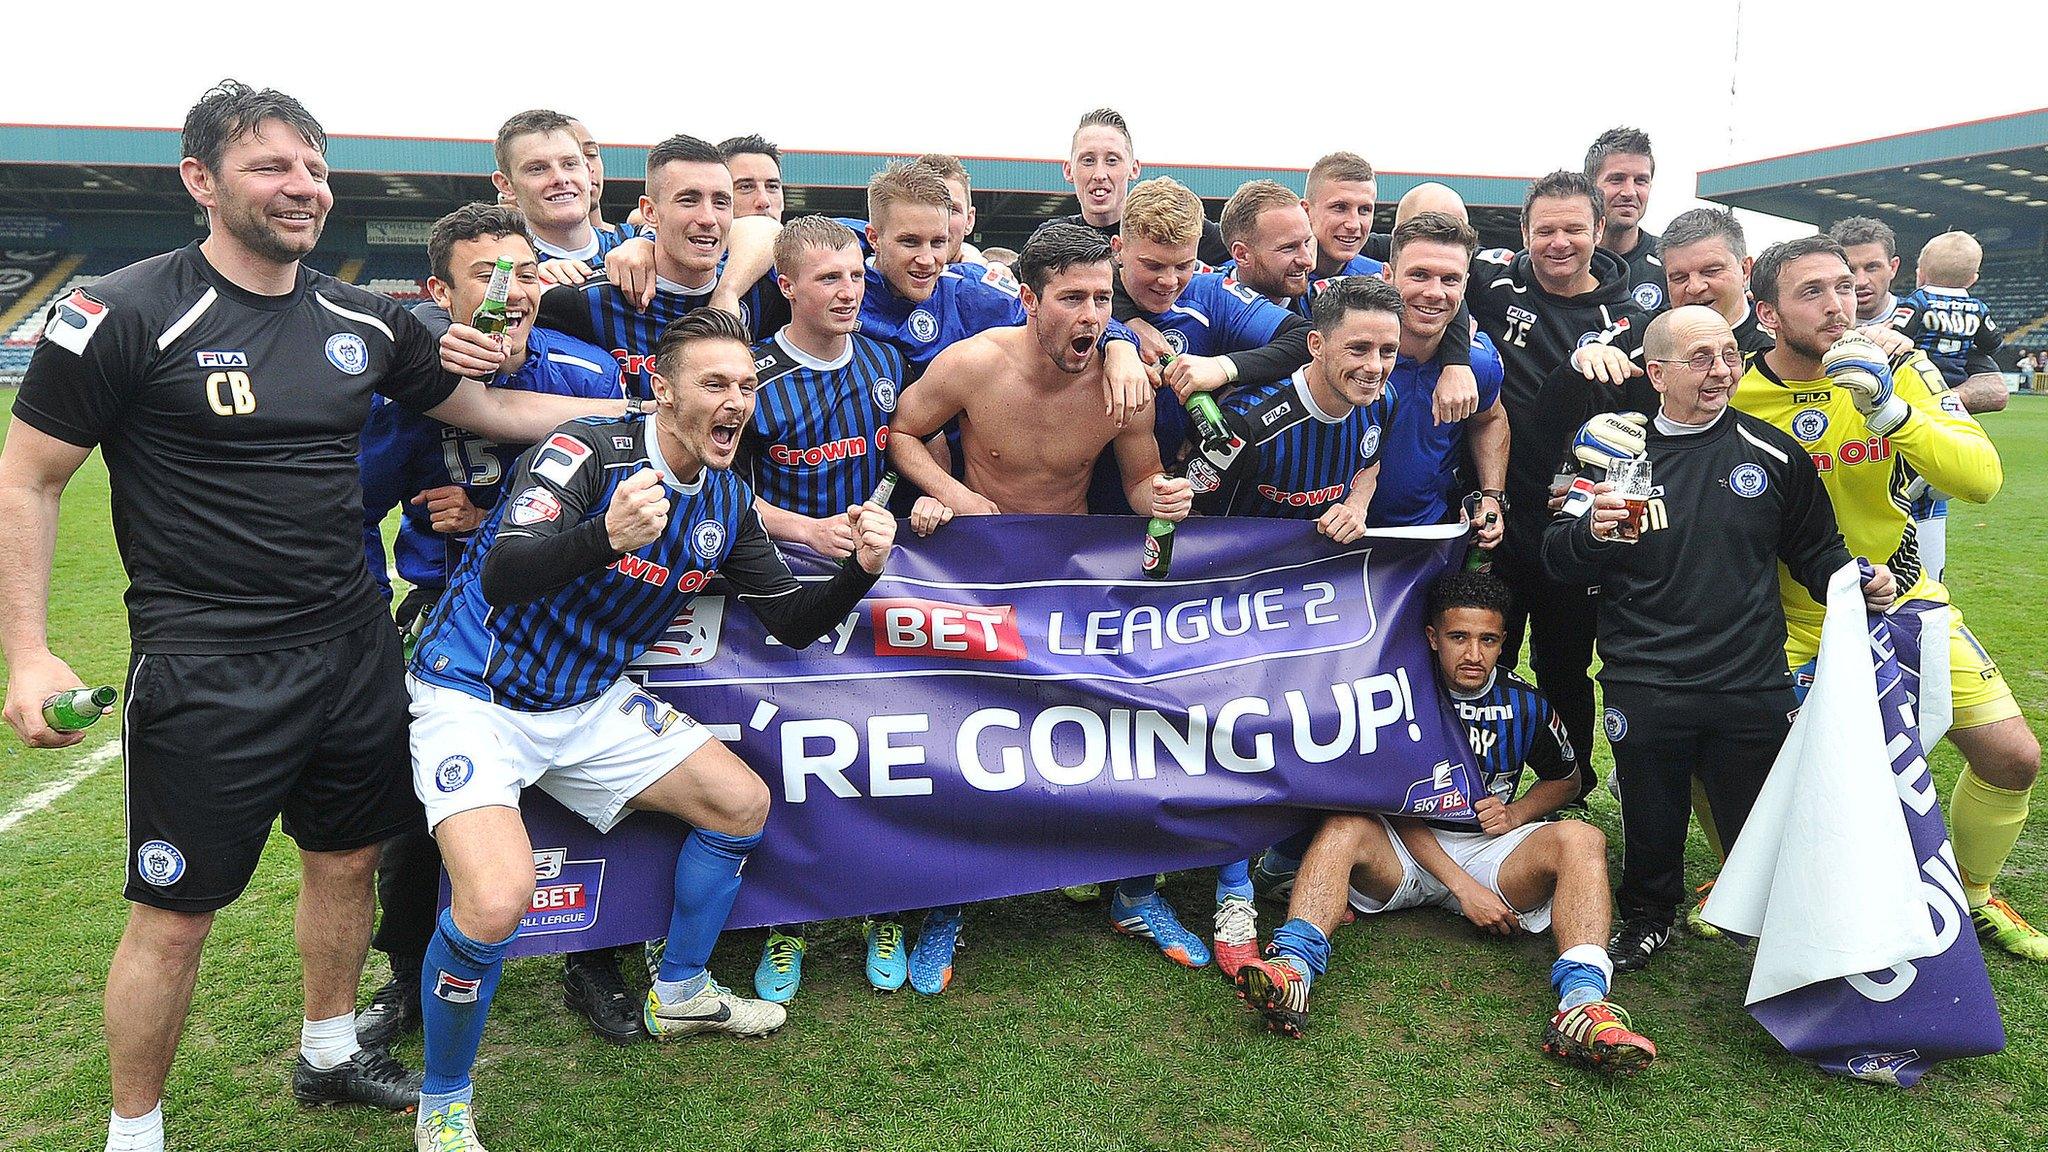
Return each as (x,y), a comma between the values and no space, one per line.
(680,149)
(1763,275)
(1564,184)
(1104,118)
(531,122)
(1347,294)
(1056,247)
(232,109)
(469,222)
(1618,142)
(1854,230)
(1697,224)
(752,143)
(1440,227)
(1461,589)
(701,325)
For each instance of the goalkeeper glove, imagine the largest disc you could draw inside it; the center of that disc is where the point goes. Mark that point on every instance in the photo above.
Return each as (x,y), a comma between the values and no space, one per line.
(1609,436)
(1858,367)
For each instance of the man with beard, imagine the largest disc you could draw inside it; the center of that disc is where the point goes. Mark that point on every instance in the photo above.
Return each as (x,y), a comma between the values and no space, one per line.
(225,384)
(1875,426)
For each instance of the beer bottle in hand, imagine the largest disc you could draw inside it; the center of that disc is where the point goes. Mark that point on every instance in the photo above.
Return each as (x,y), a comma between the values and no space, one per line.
(78,709)
(490,315)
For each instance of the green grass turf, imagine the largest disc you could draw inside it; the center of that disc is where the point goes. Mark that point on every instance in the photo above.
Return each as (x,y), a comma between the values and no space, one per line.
(1056,1033)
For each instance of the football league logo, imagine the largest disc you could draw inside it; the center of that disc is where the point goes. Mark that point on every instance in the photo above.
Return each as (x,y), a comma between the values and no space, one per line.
(924,327)
(159,863)
(1748,481)
(346,351)
(453,773)
(708,537)
(536,505)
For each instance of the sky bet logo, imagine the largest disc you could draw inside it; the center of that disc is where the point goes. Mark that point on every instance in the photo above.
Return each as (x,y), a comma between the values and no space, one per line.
(905,627)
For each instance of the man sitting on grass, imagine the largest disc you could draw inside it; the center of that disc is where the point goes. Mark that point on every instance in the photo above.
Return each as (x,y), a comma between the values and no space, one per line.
(1517,873)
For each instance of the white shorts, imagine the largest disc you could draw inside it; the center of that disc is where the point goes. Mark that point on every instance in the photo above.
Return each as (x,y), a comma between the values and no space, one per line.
(594,757)
(1477,853)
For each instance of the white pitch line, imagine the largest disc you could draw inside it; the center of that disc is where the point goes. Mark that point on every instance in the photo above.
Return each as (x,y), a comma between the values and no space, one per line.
(49,793)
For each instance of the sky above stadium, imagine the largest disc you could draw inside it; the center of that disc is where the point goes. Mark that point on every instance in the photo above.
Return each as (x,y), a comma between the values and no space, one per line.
(1487,87)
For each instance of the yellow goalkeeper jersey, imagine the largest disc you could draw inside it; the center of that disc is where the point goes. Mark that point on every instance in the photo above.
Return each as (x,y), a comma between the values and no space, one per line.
(1868,477)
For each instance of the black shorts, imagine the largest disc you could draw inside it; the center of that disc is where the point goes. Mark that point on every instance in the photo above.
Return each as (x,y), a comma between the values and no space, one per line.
(218,746)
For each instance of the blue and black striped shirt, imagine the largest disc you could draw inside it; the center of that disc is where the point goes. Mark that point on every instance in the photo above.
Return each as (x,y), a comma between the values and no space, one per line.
(818,442)
(1288,457)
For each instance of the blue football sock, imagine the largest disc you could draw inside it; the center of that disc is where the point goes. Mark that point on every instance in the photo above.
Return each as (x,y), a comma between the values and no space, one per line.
(677,991)
(707,882)
(1581,976)
(458,977)
(1302,941)
(1234,880)
(1286,856)
(1137,889)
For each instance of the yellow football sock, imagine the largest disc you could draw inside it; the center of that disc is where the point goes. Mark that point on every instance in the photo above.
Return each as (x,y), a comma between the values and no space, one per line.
(1984,823)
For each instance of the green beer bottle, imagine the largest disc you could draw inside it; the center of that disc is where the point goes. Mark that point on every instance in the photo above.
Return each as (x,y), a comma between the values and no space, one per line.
(1158,548)
(1209,426)
(490,315)
(1479,559)
(1208,418)
(78,709)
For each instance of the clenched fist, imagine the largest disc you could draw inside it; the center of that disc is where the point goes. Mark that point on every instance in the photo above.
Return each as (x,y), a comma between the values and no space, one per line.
(638,511)
(876,530)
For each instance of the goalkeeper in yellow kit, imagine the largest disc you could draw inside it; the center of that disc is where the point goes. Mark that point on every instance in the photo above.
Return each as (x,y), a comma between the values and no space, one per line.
(1878,431)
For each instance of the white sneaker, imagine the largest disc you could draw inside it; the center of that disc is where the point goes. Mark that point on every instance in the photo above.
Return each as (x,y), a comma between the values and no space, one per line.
(715,1009)
(449,1129)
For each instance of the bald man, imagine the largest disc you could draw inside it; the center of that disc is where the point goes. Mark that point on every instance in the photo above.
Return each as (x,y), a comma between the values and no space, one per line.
(1691,628)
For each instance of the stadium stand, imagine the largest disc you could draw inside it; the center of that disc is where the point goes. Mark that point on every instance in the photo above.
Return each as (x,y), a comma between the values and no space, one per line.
(23,320)
(2017,294)
(1989,177)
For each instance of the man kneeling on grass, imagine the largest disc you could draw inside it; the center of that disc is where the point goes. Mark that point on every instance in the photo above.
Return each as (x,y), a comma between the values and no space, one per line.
(1516,873)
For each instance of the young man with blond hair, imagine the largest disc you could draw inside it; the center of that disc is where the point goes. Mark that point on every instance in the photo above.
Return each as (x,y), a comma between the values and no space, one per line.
(817,445)
(960,217)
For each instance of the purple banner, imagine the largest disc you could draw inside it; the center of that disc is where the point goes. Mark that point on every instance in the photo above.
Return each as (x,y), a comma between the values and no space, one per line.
(1893,1025)
(1014,709)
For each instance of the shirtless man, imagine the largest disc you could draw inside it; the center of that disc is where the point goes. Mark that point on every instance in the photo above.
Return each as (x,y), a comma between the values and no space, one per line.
(1029,402)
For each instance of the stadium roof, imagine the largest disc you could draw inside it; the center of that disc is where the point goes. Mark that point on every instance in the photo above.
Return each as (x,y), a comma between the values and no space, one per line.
(1988,176)
(64,168)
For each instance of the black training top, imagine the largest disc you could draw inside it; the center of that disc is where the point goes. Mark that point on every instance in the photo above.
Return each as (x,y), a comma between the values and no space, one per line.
(229,423)
(1694,603)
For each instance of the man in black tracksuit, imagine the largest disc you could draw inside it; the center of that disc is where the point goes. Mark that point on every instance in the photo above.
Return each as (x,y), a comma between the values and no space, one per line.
(1691,630)
(1559,296)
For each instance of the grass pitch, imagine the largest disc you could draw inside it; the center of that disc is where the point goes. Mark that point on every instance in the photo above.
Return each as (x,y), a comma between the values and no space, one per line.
(1056,1034)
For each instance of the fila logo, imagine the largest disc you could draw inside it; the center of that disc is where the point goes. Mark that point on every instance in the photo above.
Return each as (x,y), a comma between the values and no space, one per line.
(559,458)
(214,359)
